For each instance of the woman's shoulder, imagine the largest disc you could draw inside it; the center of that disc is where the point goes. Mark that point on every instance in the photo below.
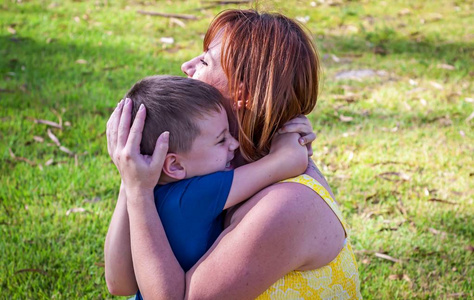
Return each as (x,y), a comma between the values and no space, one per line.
(294,213)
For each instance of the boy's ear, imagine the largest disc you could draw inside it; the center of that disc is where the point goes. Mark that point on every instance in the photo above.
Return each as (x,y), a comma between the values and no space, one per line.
(173,168)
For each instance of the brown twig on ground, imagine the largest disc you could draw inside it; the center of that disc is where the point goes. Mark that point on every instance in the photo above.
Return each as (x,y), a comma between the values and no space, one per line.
(177,16)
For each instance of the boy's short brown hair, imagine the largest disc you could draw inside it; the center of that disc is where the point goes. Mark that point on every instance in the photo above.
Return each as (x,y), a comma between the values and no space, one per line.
(173,104)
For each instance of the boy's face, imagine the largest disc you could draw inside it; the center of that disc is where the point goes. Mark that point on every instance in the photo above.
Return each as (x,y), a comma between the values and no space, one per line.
(213,149)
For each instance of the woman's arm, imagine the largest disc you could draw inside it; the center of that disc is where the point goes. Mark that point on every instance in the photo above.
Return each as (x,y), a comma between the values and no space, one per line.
(119,273)
(283,228)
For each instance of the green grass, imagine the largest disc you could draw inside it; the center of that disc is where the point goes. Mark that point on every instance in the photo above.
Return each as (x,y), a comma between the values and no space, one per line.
(408,141)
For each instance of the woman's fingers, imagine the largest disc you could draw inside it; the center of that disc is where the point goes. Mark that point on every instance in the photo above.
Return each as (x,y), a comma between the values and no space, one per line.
(112,128)
(161,149)
(135,136)
(124,125)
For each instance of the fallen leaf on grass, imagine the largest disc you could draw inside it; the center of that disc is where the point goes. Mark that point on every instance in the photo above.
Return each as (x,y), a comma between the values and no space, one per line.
(469,248)
(93,200)
(346,119)
(404,12)
(445,66)
(436,85)
(442,201)
(81,61)
(349,97)
(177,22)
(456,295)
(66,150)
(390,176)
(395,276)
(47,122)
(32,270)
(437,232)
(471,116)
(387,257)
(167,40)
(49,162)
(38,139)
(100,264)
(75,210)
(53,137)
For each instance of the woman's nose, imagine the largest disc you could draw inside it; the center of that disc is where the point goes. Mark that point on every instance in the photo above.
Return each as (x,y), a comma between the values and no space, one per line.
(189,67)
(234,144)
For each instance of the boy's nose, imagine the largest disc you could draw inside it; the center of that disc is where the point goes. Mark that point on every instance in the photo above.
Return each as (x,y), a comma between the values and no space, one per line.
(189,67)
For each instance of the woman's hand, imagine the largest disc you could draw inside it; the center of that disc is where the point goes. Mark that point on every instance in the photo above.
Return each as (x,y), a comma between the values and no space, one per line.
(138,172)
(303,126)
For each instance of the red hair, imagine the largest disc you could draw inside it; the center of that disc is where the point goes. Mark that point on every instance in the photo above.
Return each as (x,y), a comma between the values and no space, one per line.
(272,65)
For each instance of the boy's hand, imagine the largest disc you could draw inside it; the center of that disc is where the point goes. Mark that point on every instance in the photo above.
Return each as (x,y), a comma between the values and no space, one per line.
(289,152)
(303,126)
(139,172)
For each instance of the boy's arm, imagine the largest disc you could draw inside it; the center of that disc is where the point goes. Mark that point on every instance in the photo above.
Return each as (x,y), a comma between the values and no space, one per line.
(287,158)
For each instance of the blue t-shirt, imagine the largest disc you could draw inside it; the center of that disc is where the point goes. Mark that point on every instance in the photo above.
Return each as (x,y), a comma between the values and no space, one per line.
(191,213)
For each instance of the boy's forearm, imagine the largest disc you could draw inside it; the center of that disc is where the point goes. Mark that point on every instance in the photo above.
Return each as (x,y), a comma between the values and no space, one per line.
(253,177)
(119,273)
(157,270)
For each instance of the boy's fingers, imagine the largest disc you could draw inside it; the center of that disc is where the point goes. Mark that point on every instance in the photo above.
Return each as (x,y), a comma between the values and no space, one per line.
(135,136)
(124,125)
(112,127)
(161,149)
(295,127)
(307,139)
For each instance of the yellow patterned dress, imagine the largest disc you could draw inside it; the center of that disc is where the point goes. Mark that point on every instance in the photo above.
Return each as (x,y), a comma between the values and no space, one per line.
(338,280)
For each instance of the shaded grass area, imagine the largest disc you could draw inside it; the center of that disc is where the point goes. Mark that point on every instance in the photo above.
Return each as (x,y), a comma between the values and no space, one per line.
(396,147)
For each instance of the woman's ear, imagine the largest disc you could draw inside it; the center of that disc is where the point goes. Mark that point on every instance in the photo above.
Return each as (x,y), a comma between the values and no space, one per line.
(173,168)
(241,102)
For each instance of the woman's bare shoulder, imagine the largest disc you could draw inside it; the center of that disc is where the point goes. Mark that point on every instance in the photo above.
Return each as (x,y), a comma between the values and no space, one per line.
(299,216)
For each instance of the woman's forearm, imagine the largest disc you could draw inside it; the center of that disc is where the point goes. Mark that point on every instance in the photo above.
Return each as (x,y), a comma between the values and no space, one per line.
(158,273)
(119,272)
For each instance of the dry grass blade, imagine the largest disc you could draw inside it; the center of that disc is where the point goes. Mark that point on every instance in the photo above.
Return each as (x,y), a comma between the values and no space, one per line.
(387,257)
(53,137)
(32,270)
(59,117)
(47,122)
(12,155)
(176,16)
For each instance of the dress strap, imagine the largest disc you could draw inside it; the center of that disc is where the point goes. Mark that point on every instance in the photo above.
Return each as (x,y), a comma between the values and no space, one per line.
(319,189)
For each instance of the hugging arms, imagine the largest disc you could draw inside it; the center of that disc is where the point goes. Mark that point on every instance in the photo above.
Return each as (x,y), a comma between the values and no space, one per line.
(287,238)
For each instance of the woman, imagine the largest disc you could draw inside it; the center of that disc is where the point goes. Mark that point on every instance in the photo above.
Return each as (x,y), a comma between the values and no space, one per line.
(287,241)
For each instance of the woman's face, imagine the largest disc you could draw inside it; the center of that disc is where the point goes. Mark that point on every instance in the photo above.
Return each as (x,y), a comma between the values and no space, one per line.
(207,67)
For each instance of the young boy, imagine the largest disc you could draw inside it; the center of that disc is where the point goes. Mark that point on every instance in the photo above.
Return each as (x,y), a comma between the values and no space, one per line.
(197,181)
